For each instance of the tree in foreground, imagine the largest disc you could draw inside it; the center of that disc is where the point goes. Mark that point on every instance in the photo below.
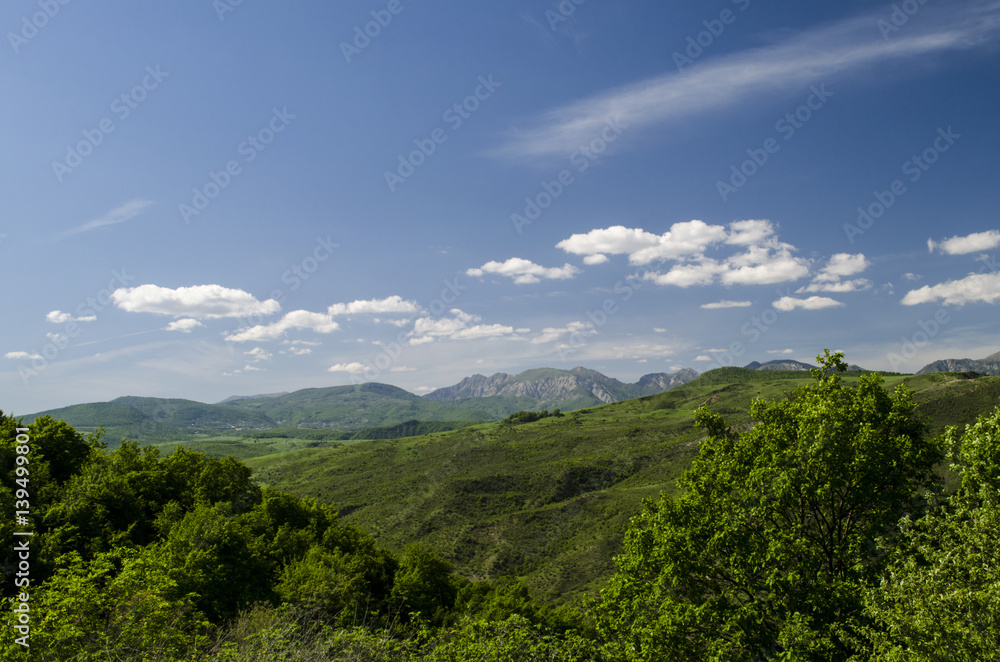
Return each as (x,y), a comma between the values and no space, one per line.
(940,599)
(767,553)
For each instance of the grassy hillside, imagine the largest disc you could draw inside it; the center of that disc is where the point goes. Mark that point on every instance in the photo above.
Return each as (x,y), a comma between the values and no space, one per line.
(549,500)
(155,420)
(191,415)
(365,405)
(119,420)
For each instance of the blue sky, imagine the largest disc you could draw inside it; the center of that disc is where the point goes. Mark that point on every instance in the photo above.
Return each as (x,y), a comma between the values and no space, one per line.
(202,199)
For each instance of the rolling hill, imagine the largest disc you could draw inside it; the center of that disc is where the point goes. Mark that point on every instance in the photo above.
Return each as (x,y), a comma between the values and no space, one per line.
(155,419)
(548,501)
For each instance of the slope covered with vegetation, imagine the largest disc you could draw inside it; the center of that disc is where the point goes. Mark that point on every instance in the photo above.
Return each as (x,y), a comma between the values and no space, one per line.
(548,501)
(805,525)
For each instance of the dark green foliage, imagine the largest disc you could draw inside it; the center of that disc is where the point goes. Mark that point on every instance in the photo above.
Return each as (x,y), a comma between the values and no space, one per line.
(769,549)
(530,416)
(424,587)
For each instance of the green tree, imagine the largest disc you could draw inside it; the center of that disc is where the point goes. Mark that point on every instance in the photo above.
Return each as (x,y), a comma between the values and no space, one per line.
(768,550)
(939,599)
(55,454)
(339,585)
(222,556)
(117,606)
(424,585)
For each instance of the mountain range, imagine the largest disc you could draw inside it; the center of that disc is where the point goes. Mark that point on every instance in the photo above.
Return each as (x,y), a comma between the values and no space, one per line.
(379,407)
(361,407)
(988,366)
(561,389)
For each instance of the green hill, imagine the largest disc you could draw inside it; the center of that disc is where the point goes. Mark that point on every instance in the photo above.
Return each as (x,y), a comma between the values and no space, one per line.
(354,407)
(196,416)
(548,501)
(155,419)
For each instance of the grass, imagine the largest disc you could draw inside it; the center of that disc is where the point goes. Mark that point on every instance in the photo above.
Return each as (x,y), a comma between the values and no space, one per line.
(548,501)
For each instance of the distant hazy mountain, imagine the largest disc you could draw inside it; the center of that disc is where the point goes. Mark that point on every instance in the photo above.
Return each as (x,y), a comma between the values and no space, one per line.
(550,388)
(988,366)
(234,398)
(779,364)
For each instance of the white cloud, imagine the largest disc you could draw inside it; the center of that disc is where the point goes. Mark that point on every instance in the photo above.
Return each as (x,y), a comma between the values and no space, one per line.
(765,265)
(350,368)
(461,326)
(617,240)
(298,319)
(750,232)
(549,334)
(686,239)
(839,266)
(126,212)
(686,275)
(781,351)
(251,368)
(400,322)
(856,285)
(973,243)
(703,357)
(848,47)
(22,355)
(593,260)
(444,326)
(299,347)
(973,288)
(387,306)
(764,261)
(911,276)
(186,325)
(842,265)
(198,302)
(59,317)
(258,354)
(725,303)
(483,331)
(812,303)
(524,272)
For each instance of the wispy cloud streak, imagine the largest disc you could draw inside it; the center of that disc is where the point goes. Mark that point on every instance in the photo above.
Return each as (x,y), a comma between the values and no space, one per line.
(121,214)
(848,47)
